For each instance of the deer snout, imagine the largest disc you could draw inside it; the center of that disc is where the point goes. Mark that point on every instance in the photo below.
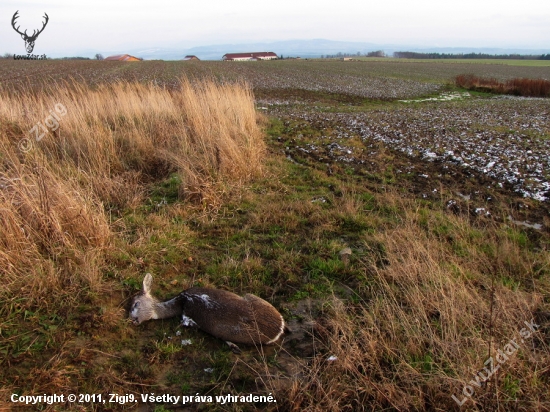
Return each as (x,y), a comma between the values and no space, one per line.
(134,313)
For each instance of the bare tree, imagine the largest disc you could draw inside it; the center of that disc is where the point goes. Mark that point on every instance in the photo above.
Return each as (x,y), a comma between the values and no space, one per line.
(377,53)
(98,56)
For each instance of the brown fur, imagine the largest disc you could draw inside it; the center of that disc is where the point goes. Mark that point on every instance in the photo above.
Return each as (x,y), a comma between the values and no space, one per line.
(248,319)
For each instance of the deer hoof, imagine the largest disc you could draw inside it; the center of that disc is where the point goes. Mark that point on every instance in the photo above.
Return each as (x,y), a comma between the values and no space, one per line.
(234,348)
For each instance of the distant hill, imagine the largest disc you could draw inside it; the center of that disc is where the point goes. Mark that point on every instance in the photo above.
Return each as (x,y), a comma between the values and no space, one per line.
(288,48)
(303,48)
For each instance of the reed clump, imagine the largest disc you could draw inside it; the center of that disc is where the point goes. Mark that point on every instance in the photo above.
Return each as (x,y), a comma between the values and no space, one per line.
(72,153)
(517,87)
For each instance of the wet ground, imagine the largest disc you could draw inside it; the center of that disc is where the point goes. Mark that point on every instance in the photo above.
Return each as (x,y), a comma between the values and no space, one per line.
(486,156)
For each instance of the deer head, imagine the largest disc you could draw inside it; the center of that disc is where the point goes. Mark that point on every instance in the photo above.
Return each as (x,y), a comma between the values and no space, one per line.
(29,40)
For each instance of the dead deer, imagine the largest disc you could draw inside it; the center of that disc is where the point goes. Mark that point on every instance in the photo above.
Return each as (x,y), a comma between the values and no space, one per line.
(249,319)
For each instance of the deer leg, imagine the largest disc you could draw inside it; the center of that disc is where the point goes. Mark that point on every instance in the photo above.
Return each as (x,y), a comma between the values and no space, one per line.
(234,348)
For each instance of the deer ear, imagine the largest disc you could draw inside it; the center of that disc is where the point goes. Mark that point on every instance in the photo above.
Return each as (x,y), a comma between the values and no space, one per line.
(147,282)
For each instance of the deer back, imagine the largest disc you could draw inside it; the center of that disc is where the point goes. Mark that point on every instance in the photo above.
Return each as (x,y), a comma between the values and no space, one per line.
(225,315)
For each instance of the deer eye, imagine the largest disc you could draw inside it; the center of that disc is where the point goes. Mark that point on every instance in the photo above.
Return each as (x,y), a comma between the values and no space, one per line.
(136,305)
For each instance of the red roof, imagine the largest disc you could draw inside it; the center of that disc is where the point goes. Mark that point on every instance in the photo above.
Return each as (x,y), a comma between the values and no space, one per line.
(122,57)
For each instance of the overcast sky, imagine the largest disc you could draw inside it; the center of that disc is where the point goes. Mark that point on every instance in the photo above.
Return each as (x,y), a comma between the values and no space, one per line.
(114,25)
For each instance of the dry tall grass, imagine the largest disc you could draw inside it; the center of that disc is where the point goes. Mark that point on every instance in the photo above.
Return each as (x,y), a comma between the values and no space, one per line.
(517,87)
(100,147)
(433,318)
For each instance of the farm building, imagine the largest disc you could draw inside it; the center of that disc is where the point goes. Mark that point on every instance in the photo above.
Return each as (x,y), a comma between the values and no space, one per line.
(191,57)
(249,56)
(123,58)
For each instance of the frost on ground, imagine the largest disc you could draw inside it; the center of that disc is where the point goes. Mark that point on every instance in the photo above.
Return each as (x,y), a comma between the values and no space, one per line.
(507,140)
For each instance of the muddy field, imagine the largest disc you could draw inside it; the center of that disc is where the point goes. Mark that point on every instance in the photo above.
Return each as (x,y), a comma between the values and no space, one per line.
(386,80)
(505,140)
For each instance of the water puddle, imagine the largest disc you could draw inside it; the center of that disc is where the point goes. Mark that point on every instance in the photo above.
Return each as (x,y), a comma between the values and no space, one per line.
(443,97)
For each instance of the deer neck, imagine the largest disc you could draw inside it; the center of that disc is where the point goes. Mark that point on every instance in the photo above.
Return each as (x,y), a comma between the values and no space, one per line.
(168,309)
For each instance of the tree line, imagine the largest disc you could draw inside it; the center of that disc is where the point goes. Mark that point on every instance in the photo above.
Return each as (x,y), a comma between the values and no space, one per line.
(416,55)
(377,53)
